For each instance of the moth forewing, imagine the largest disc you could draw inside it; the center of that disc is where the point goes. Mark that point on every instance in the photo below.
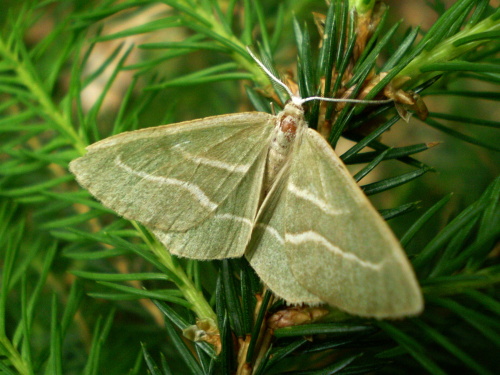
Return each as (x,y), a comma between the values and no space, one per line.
(227,232)
(338,246)
(174,177)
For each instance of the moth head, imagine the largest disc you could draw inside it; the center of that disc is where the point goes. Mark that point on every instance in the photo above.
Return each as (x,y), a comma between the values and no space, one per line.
(293,108)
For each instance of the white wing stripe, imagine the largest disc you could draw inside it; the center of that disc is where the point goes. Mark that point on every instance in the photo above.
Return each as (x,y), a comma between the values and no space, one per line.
(238,168)
(318,202)
(271,231)
(310,236)
(235,218)
(193,189)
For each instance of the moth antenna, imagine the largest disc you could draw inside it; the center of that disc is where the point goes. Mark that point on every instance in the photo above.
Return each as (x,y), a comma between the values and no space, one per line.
(337,100)
(299,100)
(269,74)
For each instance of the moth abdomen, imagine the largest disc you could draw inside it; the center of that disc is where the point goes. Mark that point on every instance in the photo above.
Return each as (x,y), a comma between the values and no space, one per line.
(289,123)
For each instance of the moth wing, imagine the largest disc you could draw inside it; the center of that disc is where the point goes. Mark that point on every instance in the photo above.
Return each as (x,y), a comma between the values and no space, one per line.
(227,232)
(266,252)
(337,244)
(174,177)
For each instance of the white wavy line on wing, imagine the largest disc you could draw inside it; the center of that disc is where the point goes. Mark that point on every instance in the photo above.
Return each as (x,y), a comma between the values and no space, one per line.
(311,236)
(318,202)
(193,189)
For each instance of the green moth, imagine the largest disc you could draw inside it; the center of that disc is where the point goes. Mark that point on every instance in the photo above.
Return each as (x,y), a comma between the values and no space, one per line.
(263,186)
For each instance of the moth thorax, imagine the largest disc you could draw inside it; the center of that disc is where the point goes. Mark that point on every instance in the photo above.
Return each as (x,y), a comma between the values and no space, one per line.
(289,121)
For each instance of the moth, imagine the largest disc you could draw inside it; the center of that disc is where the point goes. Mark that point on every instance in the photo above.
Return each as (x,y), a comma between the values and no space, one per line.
(262,186)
